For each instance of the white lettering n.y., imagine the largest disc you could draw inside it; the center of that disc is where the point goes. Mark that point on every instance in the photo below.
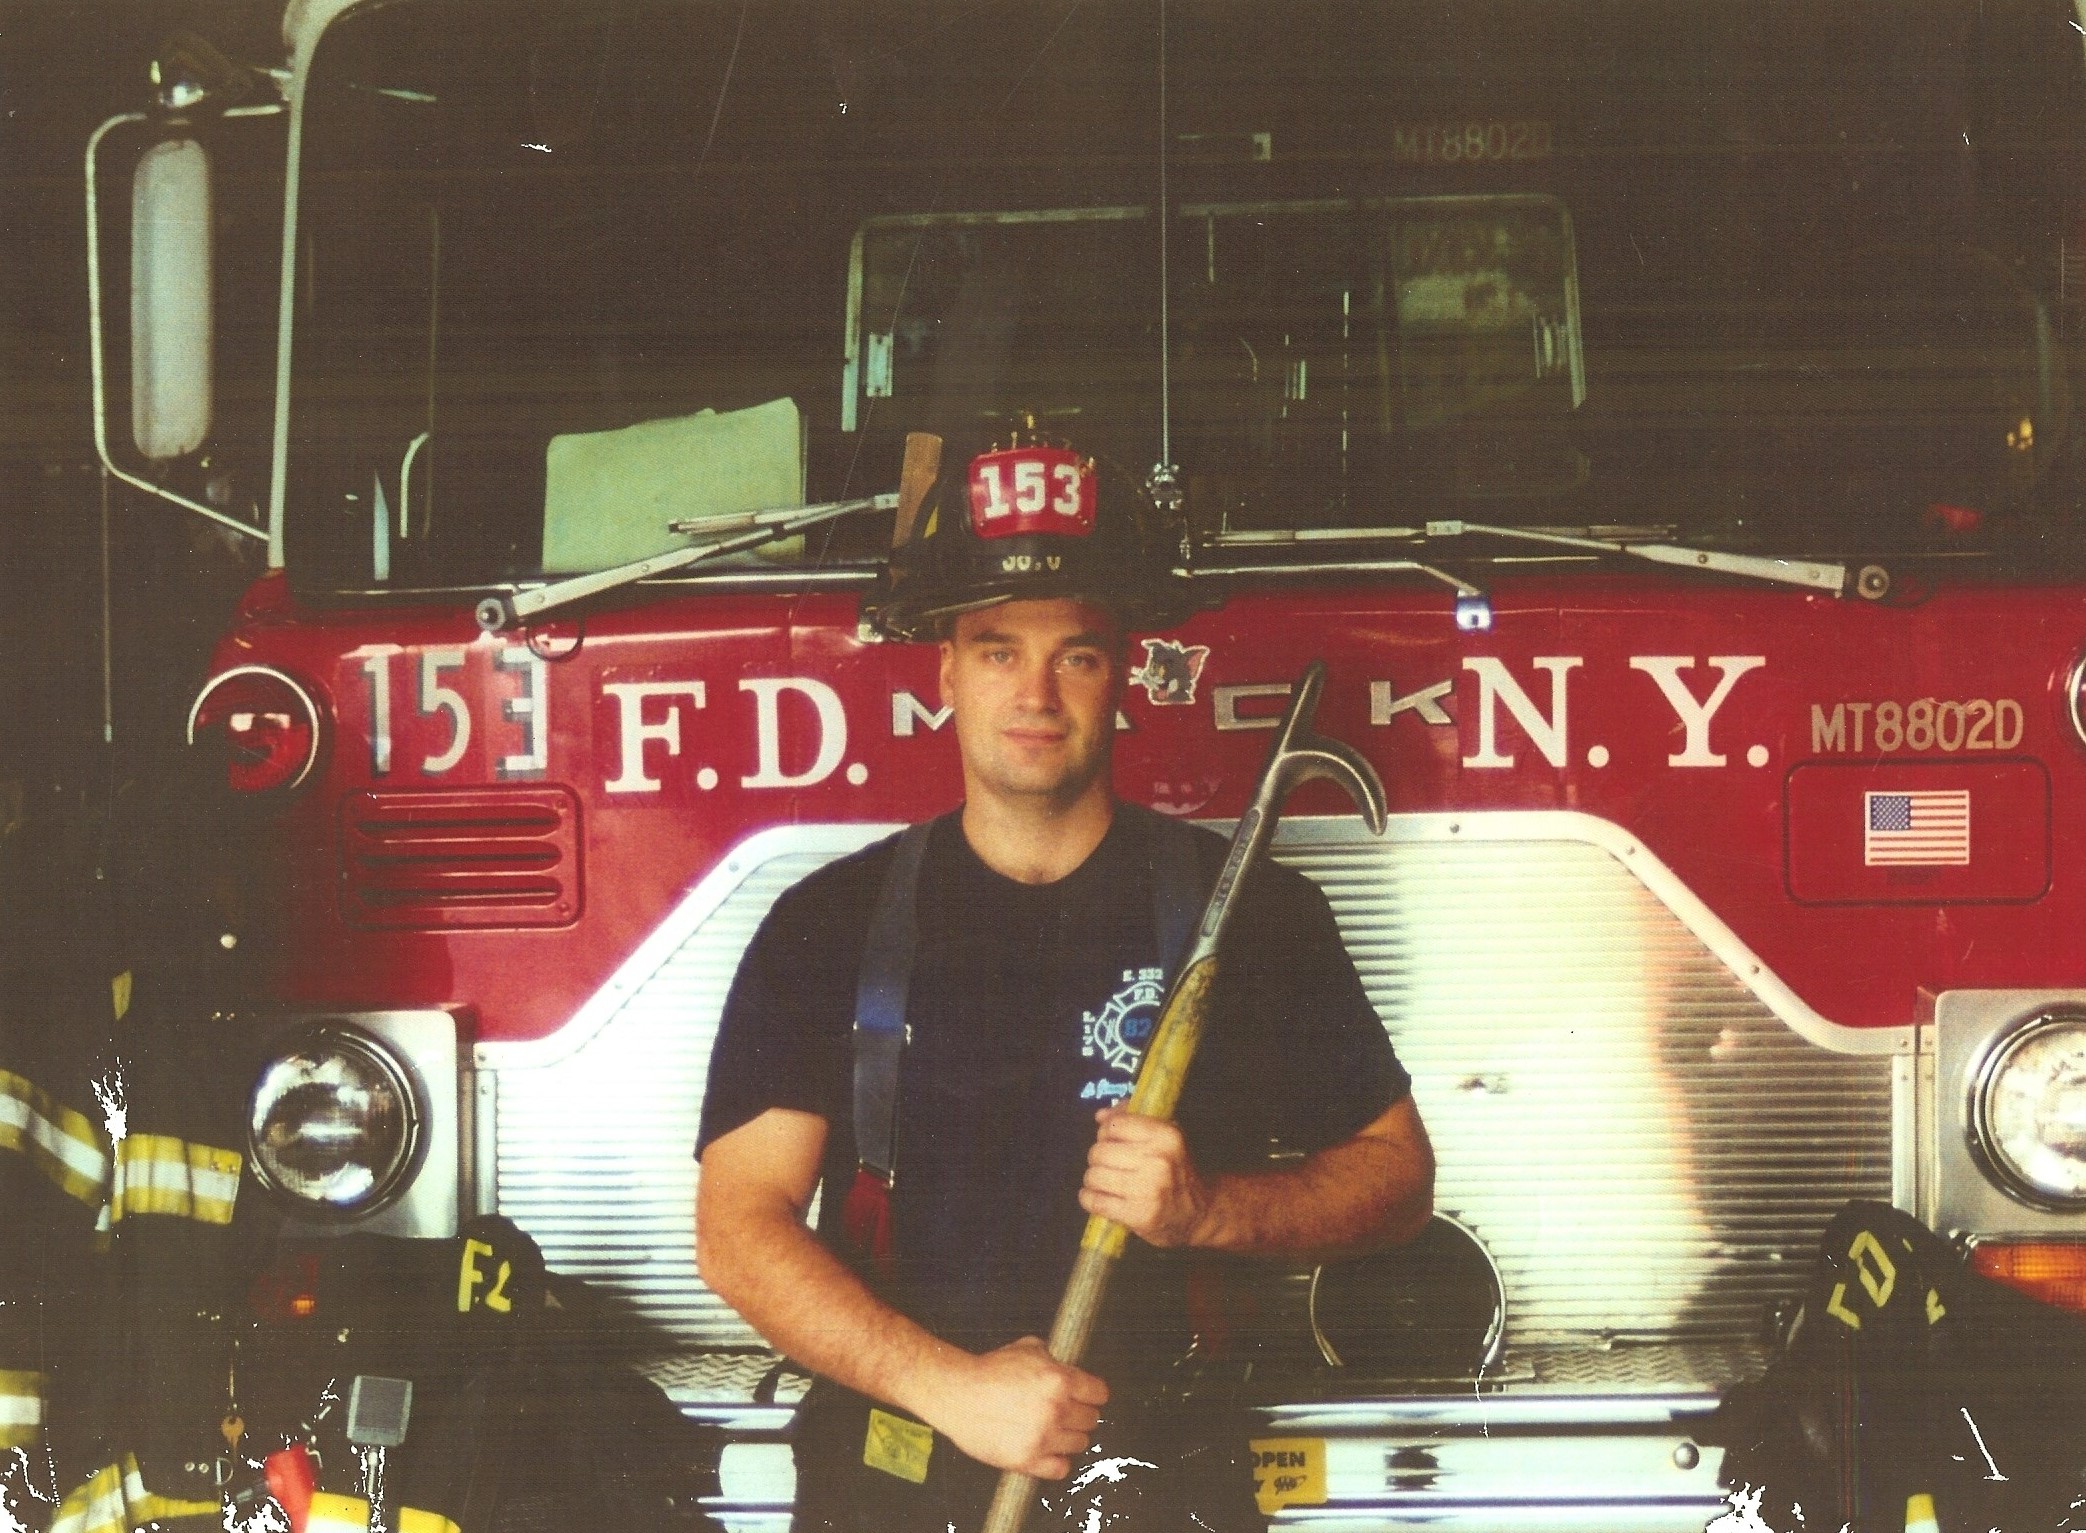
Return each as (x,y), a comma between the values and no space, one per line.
(832,731)
(1496,685)
(1695,715)
(634,731)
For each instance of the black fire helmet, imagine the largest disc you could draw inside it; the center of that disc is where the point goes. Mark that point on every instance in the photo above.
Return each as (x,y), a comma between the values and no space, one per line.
(1027,518)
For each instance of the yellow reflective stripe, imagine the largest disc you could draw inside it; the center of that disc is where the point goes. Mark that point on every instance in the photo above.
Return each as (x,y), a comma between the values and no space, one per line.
(65,1145)
(21,1407)
(156,1174)
(334,1514)
(114,1500)
(412,1520)
(95,1507)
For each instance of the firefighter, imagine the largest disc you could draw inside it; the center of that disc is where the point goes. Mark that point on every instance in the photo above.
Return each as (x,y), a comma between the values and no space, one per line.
(937,1030)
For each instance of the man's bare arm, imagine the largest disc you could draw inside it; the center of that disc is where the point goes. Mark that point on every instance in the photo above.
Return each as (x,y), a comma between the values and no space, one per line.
(1014,1408)
(1373,1189)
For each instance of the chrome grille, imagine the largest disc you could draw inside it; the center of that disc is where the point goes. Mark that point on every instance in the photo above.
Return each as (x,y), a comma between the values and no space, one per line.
(596,1142)
(1646,1150)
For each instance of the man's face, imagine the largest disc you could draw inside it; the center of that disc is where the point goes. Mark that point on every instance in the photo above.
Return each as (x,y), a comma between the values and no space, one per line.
(1034,687)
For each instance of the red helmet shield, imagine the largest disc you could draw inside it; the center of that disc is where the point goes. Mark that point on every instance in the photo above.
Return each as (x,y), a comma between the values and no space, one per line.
(1024,491)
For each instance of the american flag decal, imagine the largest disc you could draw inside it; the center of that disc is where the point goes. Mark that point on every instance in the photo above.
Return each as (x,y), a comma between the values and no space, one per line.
(1916,830)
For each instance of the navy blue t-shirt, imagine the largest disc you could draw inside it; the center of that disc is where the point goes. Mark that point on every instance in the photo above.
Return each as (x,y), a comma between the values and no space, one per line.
(1030,1008)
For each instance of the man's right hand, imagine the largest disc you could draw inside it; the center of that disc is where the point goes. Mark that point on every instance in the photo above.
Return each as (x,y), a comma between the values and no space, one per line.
(1019,1408)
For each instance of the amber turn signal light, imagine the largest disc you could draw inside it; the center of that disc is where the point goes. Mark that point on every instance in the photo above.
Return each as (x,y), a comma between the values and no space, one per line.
(2053,1272)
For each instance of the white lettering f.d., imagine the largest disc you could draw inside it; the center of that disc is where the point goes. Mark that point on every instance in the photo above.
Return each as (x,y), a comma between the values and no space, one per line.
(634,731)
(832,731)
(1694,716)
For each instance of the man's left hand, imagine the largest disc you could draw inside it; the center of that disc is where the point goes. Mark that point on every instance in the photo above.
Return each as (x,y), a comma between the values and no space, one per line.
(1139,1174)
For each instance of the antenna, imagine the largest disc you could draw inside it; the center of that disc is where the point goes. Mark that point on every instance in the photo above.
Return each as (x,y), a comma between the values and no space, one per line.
(1165,482)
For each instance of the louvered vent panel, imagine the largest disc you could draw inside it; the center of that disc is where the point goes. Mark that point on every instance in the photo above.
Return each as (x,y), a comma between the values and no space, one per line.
(465,858)
(1645,1149)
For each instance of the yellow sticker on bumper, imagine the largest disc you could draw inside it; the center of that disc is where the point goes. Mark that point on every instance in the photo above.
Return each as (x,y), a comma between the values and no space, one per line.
(897,1446)
(1288,1471)
(331,1513)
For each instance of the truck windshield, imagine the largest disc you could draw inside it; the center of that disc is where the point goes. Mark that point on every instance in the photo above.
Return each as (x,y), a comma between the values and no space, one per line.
(1769,277)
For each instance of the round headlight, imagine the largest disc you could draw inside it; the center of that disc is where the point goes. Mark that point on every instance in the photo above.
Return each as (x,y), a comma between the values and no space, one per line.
(2028,1111)
(270,724)
(334,1125)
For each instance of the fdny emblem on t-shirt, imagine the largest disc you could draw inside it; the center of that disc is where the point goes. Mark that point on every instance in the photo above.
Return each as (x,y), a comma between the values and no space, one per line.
(1113,1039)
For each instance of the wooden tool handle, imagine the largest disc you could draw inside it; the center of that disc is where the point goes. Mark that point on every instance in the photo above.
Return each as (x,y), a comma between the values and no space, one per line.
(1011,1500)
(923,461)
(1157,1092)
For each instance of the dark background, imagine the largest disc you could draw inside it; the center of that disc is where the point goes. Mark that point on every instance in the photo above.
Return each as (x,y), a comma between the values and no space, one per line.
(78,778)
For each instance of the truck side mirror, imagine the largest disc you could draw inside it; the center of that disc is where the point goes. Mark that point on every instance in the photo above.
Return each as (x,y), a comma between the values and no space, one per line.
(177,163)
(172,336)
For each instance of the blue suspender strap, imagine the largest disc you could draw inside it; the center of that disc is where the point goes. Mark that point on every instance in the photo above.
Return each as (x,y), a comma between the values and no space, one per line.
(1178,893)
(880,997)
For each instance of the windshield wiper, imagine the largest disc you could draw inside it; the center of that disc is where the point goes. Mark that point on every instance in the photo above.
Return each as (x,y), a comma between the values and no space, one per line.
(1816,575)
(497,613)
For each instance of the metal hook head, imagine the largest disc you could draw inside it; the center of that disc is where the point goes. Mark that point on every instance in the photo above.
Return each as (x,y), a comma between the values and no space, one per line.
(1339,762)
(1301,753)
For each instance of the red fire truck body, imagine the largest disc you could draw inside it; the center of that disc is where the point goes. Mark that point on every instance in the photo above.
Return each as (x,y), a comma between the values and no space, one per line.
(693,747)
(1725,677)
(666,735)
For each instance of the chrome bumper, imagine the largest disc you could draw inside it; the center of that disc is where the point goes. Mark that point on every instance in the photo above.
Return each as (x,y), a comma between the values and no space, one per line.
(1559,1440)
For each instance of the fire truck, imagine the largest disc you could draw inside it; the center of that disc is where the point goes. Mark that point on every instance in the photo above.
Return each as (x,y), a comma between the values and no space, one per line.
(1659,418)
